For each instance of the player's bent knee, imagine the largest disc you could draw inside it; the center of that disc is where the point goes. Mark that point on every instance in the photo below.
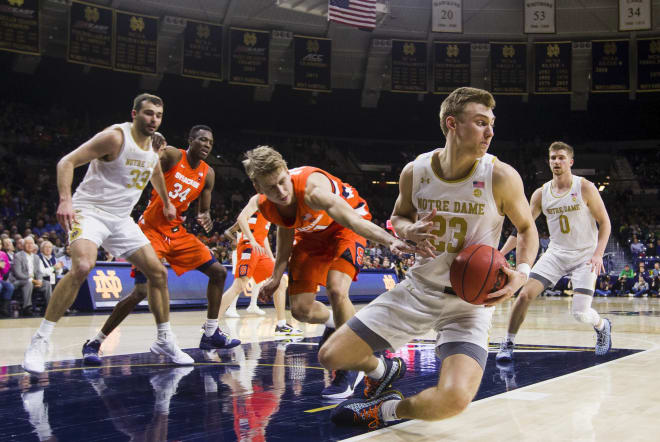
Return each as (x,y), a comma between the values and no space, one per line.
(157,275)
(583,317)
(219,274)
(140,291)
(80,270)
(455,398)
(300,313)
(336,294)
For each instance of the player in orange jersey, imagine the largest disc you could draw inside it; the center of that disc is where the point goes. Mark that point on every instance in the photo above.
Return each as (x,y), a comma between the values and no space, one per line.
(329,221)
(188,178)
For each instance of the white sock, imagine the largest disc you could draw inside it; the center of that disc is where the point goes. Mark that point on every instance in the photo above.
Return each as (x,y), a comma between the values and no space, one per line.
(99,337)
(209,326)
(281,323)
(377,372)
(330,323)
(253,299)
(600,325)
(511,337)
(388,408)
(46,329)
(164,331)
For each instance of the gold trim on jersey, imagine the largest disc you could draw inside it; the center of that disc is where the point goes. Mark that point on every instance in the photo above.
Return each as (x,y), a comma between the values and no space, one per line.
(459,180)
(560,196)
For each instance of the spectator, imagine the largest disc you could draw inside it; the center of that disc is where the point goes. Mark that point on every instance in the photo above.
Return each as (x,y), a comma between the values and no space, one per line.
(544,242)
(8,248)
(51,267)
(26,275)
(655,271)
(636,247)
(641,287)
(65,260)
(622,282)
(604,287)
(642,271)
(6,287)
(654,287)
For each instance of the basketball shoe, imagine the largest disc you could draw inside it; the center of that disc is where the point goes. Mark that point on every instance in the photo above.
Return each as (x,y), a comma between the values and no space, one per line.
(169,348)
(35,355)
(255,309)
(506,351)
(364,412)
(218,340)
(343,385)
(287,330)
(604,338)
(90,352)
(395,369)
(232,313)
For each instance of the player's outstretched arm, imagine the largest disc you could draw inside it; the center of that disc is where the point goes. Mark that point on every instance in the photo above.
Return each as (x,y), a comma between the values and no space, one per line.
(319,196)
(204,203)
(105,144)
(594,202)
(243,222)
(158,181)
(510,198)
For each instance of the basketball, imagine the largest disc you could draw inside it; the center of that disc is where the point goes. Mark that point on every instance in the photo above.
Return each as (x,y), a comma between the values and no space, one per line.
(476,272)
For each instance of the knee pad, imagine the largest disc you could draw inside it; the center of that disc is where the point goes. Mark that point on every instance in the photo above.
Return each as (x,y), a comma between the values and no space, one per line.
(584,317)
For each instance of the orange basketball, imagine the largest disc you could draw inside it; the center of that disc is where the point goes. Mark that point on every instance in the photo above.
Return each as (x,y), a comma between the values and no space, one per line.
(476,272)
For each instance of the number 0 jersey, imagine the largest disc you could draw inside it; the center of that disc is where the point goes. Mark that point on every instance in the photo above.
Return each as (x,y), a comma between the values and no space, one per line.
(184,185)
(570,223)
(115,186)
(466,214)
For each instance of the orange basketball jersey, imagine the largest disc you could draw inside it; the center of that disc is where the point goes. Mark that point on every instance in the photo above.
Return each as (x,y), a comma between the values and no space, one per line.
(184,184)
(307,219)
(259,227)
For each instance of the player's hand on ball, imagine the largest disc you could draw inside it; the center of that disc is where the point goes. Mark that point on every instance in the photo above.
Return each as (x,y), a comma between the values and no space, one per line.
(204,220)
(515,281)
(419,233)
(268,289)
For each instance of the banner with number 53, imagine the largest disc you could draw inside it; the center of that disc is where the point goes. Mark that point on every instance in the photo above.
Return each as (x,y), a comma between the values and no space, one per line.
(539,16)
(448,16)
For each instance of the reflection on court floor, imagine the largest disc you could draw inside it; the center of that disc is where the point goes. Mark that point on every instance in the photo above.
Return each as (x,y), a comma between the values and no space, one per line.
(259,391)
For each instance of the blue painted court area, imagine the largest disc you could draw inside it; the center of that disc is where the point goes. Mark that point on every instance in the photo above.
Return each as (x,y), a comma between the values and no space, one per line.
(261,391)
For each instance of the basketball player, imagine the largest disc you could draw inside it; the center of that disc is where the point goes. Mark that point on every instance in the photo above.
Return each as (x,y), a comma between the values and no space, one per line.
(255,260)
(188,178)
(99,214)
(329,220)
(449,198)
(572,206)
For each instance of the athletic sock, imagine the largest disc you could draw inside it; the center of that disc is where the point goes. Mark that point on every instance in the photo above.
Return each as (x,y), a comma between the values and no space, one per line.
(164,331)
(210,326)
(388,409)
(511,337)
(330,323)
(378,372)
(99,337)
(601,325)
(281,323)
(46,328)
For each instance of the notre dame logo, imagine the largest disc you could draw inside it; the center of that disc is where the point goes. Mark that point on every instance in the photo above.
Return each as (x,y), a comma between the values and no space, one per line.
(92,14)
(203,31)
(409,48)
(476,192)
(553,50)
(16,3)
(452,51)
(609,48)
(137,24)
(389,282)
(108,286)
(654,48)
(250,39)
(313,46)
(508,51)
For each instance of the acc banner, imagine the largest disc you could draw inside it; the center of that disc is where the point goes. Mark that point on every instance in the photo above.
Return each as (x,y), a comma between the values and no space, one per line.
(610,66)
(311,63)
(136,43)
(447,16)
(508,68)
(19,26)
(202,50)
(539,17)
(409,64)
(552,67)
(451,66)
(248,57)
(648,65)
(634,15)
(90,35)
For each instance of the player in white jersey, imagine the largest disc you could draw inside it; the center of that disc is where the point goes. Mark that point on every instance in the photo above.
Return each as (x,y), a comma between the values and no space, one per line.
(572,206)
(122,161)
(448,199)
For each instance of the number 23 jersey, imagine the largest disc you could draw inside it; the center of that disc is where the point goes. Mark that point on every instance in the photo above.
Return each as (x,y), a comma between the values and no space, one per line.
(466,214)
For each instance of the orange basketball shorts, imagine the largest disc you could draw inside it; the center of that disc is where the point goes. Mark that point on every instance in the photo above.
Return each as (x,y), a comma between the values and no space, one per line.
(252,265)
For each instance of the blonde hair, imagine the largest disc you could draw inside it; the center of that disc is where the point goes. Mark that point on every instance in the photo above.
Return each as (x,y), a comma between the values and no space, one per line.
(261,161)
(560,145)
(455,103)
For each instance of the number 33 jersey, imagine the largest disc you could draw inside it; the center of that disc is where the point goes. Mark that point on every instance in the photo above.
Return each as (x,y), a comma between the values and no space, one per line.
(466,214)
(115,186)
(184,184)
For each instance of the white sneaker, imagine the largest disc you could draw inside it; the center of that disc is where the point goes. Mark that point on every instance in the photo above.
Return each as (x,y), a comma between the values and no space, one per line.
(170,349)
(232,313)
(255,309)
(35,355)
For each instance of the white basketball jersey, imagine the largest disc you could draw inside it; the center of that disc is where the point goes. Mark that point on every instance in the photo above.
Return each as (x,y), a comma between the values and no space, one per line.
(115,186)
(466,214)
(571,225)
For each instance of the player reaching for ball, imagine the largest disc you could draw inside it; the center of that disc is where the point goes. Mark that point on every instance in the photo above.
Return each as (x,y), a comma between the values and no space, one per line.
(448,199)
(572,206)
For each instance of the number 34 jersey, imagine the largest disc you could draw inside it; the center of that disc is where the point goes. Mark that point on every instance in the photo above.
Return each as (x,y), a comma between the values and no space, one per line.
(466,214)
(184,184)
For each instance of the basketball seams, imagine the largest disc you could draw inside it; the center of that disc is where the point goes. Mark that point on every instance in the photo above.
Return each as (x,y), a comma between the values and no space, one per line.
(467,264)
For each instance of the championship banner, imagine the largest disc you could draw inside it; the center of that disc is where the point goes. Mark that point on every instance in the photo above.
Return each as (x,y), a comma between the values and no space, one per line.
(539,16)
(202,51)
(90,35)
(136,43)
(648,64)
(447,16)
(552,67)
(19,26)
(451,66)
(635,15)
(248,62)
(312,64)
(409,65)
(508,68)
(610,66)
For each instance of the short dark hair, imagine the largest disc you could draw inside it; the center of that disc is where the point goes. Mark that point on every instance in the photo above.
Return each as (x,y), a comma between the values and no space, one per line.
(197,128)
(137,102)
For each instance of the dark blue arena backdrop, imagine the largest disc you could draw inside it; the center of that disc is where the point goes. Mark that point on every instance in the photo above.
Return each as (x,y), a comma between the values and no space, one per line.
(259,391)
